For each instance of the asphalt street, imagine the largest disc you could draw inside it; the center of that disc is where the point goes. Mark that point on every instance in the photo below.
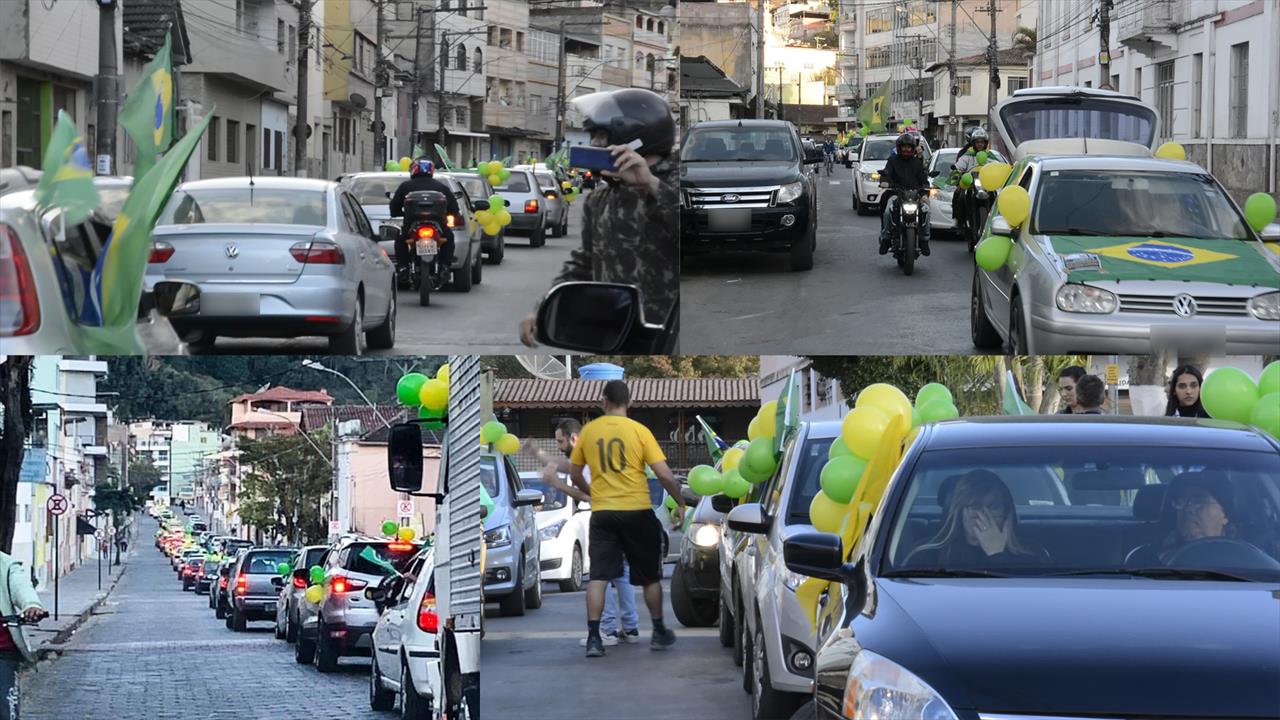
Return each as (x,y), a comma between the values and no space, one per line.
(535,668)
(482,321)
(154,652)
(853,301)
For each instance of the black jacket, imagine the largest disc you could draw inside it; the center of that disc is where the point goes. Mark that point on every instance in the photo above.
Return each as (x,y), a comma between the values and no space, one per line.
(416,184)
(905,173)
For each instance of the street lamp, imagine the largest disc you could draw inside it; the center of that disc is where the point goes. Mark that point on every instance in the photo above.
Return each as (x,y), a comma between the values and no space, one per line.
(309,363)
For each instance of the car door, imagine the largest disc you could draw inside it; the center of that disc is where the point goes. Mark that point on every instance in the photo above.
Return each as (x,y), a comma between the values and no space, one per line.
(523,523)
(372,270)
(389,634)
(1003,279)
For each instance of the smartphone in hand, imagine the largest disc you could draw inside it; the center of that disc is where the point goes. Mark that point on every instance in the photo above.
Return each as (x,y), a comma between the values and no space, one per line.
(596,158)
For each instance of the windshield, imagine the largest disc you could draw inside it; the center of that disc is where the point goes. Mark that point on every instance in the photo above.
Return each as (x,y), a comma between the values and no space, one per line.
(373,190)
(489,478)
(804,486)
(1143,204)
(473,185)
(265,563)
(553,498)
(877,150)
(1093,118)
(518,182)
(111,198)
(1048,510)
(546,181)
(945,160)
(242,205)
(736,144)
(398,554)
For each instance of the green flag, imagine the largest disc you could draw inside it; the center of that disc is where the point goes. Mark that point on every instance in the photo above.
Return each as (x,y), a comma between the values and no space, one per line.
(444,158)
(125,259)
(147,114)
(875,109)
(1013,403)
(67,182)
(372,556)
(418,151)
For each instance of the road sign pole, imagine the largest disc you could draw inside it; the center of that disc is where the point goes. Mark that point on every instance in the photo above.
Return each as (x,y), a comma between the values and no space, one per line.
(55,566)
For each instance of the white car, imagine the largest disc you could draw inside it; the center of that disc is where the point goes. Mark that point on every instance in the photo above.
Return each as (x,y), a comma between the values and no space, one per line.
(406,641)
(868,160)
(563,528)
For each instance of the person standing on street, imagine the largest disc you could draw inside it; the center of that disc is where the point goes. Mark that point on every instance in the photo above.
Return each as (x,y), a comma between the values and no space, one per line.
(630,228)
(1067,380)
(1184,393)
(17,597)
(624,528)
(1090,395)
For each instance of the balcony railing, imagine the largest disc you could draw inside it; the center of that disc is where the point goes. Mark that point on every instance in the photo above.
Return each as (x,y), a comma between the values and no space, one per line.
(680,455)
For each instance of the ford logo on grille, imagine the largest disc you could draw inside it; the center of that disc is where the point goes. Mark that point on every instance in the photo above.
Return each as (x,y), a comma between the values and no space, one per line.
(1184,305)
(730,198)
(232,251)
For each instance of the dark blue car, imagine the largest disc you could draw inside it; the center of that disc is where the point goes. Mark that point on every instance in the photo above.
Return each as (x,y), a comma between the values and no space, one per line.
(1064,567)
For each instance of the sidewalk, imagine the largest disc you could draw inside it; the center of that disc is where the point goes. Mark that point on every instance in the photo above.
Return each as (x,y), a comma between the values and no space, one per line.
(78,596)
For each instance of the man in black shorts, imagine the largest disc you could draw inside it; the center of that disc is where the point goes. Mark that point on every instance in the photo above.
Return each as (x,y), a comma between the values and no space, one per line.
(623,524)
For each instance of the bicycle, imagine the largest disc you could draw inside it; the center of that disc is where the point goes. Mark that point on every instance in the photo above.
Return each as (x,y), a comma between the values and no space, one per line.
(829,163)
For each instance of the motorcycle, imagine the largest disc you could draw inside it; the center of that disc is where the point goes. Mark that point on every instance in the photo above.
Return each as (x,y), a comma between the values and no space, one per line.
(912,212)
(977,209)
(426,219)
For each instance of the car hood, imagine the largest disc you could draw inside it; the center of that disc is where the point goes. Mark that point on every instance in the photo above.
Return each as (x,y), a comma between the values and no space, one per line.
(1105,646)
(738,174)
(1232,262)
(871,165)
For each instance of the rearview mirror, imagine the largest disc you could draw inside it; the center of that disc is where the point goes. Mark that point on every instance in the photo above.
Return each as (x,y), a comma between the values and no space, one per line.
(404,457)
(388,232)
(819,555)
(749,518)
(589,317)
(935,173)
(722,504)
(174,298)
(1000,226)
(1271,233)
(277,581)
(528,498)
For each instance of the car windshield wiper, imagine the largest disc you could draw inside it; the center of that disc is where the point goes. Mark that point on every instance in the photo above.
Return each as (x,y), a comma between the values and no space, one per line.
(942,573)
(1160,573)
(1075,231)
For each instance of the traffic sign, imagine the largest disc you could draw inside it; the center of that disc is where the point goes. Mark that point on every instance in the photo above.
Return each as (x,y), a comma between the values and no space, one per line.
(404,508)
(58,504)
(335,527)
(1113,374)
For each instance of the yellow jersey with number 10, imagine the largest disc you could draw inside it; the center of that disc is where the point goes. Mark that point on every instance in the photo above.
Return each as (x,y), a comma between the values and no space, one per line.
(617,450)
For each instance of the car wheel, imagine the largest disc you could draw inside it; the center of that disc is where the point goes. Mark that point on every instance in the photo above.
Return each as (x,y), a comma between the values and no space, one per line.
(807,711)
(739,644)
(477,270)
(238,621)
(564,225)
(219,612)
(802,252)
(384,337)
(304,652)
(351,340)
(229,618)
(767,703)
(200,339)
(981,331)
(726,625)
(538,238)
(748,657)
(279,631)
(379,697)
(463,278)
(412,705)
(290,629)
(1018,344)
(574,583)
(513,604)
(690,611)
(326,653)
(533,596)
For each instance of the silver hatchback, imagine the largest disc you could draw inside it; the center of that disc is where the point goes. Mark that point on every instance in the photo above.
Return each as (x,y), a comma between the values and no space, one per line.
(527,206)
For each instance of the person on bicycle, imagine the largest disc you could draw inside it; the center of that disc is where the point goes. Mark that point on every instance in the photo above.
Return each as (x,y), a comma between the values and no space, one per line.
(17,598)
(966,162)
(904,170)
(829,149)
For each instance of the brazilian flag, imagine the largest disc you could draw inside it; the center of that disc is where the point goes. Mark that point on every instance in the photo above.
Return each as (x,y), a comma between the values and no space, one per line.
(67,182)
(147,114)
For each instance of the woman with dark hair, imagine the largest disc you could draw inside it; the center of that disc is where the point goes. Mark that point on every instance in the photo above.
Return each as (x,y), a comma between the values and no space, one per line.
(1067,380)
(1184,393)
(980,528)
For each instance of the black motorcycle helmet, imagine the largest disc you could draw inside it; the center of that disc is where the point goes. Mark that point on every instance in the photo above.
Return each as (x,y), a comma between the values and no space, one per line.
(907,139)
(627,115)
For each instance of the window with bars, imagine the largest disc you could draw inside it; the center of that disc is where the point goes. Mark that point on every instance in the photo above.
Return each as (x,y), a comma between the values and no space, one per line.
(1164,97)
(1014,84)
(1239,90)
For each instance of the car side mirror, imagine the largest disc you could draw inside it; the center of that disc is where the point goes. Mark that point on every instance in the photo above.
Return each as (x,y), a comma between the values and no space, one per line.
(817,554)
(934,173)
(378,595)
(855,157)
(277,581)
(722,504)
(175,299)
(528,498)
(1000,226)
(388,232)
(1271,233)
(812,156)
(749,518)
(404,457)
(589,317)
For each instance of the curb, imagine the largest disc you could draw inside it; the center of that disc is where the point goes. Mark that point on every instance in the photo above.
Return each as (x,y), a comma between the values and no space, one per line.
(53,647)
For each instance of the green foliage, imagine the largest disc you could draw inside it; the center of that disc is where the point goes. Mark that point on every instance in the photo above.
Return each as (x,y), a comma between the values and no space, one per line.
(143,475)
(284,482)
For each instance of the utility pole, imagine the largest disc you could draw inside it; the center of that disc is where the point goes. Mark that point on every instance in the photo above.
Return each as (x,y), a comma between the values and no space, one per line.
(302,128)
(108,88)
(441,134)
(1104,53)
(561,80)
(379,86)
(760,65)
(951,70)
(992,59)
(417,73)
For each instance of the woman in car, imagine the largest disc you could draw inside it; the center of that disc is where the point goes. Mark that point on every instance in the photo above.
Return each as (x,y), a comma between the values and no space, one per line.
(1204,503)
(1184,393)
(980,528)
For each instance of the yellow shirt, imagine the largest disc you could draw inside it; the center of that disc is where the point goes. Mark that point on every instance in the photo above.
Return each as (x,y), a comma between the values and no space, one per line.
(617,450)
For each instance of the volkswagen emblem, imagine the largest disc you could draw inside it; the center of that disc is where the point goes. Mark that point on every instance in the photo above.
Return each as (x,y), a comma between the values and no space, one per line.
(731,198)
(232,251)
(1184,305)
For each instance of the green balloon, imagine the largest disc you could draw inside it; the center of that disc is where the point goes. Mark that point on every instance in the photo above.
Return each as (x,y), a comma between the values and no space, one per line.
(938,410)
(760,457)
(1269,381)
(391,166)
(1229,394)
(966,180)
(316,574)
(283,568)
(735,486)
(1259,210)
(982,157)
(504,174)
(840,477)
(865,131)
(1266,415)
(993,252)
(390,528)
(426,413)
(492,431)
(407,388)
(933,391)
(496,203)
(670,502)
(705,480)
(838,449)
(915,418)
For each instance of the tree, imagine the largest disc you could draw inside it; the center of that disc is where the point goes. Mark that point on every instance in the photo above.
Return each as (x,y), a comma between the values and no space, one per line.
(144,476)
(284,482)
(15,401)
(1024,39)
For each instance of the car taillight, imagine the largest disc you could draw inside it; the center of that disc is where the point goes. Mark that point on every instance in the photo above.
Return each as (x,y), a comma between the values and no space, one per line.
(19,306)
(342,585)
(452,220)
(242,584)
(428,620)
(531,206)
(317,253)
(160,252)
(427,232)
(401,547)
(300,583)
(551,195)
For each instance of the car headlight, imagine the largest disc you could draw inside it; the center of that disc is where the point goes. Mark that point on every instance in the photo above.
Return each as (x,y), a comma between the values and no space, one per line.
(871,176)
(551,531)
(1077,298)
(1266,306)
(498,537)
(879,689)
(706,536)
(792,580)
(790,192)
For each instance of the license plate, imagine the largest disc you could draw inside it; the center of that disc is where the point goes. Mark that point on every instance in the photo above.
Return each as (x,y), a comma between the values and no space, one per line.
(729,220)
(426,248)
(1190,337)
(230,305)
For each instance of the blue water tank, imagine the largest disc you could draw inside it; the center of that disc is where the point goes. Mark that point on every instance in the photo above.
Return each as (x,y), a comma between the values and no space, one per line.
(601,371)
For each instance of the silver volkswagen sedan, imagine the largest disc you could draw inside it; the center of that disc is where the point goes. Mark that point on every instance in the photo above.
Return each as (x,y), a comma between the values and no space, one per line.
(276,257)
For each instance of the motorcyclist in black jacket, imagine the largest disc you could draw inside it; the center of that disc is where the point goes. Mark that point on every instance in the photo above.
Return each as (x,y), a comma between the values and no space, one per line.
(904,170)
(422,177)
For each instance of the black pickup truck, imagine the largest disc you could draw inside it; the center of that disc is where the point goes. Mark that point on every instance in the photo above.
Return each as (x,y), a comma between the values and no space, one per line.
(744,186)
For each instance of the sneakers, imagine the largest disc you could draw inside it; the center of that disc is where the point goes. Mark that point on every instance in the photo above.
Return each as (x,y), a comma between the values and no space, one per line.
(609,639)
(662,640)
(595,647)
(924,248)
(884,245)
(629,636)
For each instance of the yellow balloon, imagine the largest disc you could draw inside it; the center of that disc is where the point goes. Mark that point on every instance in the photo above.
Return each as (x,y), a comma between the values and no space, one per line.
(404,163)
(434,395)
(314,594)
(862,430)
(407,534)
(770,408)
(443,373)
(757,429)
(492,228)
(508,444)
(732,457)
(1014,204)
(993,175)
(483,216)
(495,180)
(825,514)
(495,167)
(1171,151)
(504,218)
(887,398)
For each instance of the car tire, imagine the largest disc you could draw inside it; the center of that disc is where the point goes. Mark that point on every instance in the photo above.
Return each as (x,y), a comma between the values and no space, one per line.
(463,277)
(807,711)
(513,604)
(477,270)
(499,249)
(574,583)
(304,652)
(412,705)
(384,336)
(554,230)
(983,334)
(326,654)
(229,619)
(858,206)
(290,629)
(690,611)
(1018,342)
(802,252)
(218,612)
(767,703)
(748,655)
(279,632)
(533,596)
(538,238)
(351,340)
(380,698)
(564,225)
(739,644)
(726,624)
(239,623)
